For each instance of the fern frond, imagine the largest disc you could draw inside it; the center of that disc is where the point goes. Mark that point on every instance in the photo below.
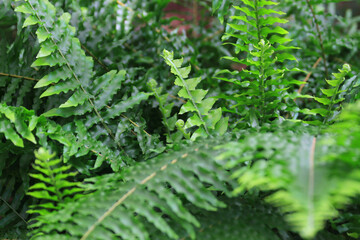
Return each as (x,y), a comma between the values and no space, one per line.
(331,97)
(207,120)
(91,97)
(294,168)
(124,209)
(18,123)
(12,118)
(263,90)
(53,187)
(165,109)
(60,47)
(238,221)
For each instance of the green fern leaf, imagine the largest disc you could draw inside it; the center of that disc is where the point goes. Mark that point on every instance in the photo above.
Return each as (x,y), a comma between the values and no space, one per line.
(206,119)
(125,208)
(297,172)
(53,187)
(331,96)
(263,97)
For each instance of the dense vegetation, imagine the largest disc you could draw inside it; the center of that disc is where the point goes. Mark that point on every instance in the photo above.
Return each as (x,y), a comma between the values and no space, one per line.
(240,122)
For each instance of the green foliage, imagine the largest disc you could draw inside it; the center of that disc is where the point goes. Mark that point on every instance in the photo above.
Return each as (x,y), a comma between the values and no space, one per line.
(331,97)
(132,202)
(297,170)
(165,109)
(208,121)
(140,158)
(339,37)
(221,7)
(261,93)
(53,187)
(11,119)
(239,220)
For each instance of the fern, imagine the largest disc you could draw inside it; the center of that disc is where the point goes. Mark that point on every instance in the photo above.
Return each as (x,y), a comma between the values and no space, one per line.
(262,90)
(53,187)
(91,105)
(10,119)
(165,109)
(127,208)
(297,172)
(91,100)
(208,121)
(331,98)
(239,220)
(24,130)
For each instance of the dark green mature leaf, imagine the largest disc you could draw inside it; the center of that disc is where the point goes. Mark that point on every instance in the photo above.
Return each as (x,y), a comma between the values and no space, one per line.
(122,208)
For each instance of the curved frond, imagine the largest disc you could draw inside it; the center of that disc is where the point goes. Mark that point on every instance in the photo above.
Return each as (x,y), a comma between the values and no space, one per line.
(149,195)
(306,186)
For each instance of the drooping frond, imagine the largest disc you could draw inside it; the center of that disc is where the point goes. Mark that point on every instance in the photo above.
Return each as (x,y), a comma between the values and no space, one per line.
(147,193)
(295,168)
(15,125)
(238,221)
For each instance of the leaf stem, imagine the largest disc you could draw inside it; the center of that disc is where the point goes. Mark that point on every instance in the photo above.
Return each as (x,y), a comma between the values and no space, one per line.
(320,38)
(126,195)
(311,182)
(262,80)
(17,76)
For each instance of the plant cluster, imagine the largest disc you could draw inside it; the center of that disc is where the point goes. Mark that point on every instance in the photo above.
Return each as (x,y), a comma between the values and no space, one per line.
(113,126)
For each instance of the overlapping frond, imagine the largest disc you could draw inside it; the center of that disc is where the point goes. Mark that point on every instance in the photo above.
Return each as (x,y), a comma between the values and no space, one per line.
(147,193)
(295,168)
(238,221)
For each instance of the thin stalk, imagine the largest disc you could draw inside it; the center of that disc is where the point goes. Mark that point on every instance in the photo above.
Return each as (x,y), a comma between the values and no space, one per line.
(309,75)
(262,80)
(320,38)
(17,76)
(311,183)
(95,58)
(12,209)
(262,87)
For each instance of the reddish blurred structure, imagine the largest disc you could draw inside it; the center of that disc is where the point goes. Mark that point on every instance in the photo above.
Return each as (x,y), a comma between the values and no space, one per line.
(353,5)
(190,12)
